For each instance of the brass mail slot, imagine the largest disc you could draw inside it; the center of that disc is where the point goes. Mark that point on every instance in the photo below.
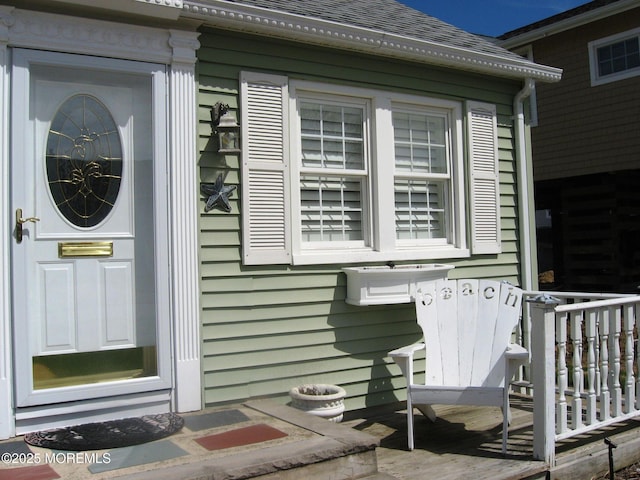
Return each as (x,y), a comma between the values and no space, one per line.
(85,249)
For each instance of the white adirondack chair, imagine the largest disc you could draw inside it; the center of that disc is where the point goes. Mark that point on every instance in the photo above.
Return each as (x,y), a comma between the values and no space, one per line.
(467,326)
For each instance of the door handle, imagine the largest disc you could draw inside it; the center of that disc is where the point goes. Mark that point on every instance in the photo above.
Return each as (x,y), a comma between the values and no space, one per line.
(20,221)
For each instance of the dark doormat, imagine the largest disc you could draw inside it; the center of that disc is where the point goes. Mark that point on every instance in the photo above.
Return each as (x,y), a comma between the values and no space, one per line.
(111,434)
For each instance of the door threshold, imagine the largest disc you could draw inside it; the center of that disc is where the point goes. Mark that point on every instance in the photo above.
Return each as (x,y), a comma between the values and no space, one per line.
(45,417)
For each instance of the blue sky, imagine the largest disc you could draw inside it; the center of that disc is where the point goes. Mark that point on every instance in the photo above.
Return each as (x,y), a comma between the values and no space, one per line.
(492,17)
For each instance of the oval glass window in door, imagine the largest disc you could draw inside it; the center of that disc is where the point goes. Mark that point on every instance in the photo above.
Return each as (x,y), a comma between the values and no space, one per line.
(84,160)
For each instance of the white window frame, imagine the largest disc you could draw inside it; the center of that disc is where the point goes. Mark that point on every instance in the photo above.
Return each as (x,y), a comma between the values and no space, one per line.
(271,175)
(381,244)
(451,192)
(320,246)
(593,47)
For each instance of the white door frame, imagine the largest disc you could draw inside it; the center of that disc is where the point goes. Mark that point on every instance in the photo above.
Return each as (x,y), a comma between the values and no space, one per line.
(176,49)
(62,73)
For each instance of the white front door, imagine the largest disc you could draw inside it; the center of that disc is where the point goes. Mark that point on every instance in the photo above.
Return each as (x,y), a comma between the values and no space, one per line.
(90,236)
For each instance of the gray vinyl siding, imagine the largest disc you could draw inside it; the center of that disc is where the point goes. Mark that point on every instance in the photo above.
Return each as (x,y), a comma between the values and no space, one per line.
(266,329)
(583,129)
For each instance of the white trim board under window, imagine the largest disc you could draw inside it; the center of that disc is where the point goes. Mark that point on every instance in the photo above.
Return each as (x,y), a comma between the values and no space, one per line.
(335,174)
(615,57)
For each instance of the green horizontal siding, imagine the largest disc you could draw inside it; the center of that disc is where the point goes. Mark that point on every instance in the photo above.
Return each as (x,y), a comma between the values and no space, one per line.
(268,328)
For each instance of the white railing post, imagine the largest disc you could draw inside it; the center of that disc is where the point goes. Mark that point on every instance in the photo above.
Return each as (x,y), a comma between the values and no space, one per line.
(543,376)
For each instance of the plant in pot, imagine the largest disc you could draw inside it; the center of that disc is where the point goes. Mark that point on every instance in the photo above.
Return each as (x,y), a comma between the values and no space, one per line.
(319,399)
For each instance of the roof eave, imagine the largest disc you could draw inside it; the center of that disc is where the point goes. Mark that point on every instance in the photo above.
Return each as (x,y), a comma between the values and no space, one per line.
(244,18)
(166,10)
(568,23)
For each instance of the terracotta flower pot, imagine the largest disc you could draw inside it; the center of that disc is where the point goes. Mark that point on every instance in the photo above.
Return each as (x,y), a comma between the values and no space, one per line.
(322,400)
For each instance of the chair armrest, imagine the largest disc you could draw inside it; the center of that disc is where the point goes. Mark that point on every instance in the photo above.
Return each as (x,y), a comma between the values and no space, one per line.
(406,352)
(515,356)
(403,357)
(517,353)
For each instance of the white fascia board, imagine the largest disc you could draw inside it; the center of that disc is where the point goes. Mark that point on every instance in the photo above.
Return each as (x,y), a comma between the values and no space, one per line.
(164,9)
(262,21)
(568,24)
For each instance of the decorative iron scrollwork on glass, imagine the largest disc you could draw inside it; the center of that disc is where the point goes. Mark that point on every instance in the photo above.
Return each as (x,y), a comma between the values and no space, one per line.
(84,160)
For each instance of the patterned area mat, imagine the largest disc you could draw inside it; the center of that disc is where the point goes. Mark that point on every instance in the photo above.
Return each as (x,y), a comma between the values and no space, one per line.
(111,434)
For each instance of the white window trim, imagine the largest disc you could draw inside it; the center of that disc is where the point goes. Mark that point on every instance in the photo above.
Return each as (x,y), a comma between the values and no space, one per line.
(269,178)
(383,244)
(454,196)
(593,46)
(311,248)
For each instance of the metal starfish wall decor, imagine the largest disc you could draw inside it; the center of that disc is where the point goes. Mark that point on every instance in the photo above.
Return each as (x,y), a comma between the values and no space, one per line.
(217,195)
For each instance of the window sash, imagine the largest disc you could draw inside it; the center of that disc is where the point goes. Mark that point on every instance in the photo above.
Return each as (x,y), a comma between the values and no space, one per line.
(420,141)
(614,58)
(331,208)
(618,57)
(378,176)
(422,178)
(333,173)
(421,208)
(332,136)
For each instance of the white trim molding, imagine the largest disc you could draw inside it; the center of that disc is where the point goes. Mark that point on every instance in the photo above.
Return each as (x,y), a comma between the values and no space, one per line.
(177,50)
(92,37)
(307,29)
(245,18)
(567,23)
(594,61)
(7,426)
(184,221)
(165,9)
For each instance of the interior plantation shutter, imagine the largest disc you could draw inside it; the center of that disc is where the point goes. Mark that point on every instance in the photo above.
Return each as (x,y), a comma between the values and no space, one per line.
(484,178)
(265,169)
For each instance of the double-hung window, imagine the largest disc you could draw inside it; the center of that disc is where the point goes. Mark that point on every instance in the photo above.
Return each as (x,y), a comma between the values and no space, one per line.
(422,178)
(335,174)
(333,167)
(615,58)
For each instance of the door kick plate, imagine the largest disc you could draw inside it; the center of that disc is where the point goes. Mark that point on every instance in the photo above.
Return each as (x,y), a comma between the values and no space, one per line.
(85,249)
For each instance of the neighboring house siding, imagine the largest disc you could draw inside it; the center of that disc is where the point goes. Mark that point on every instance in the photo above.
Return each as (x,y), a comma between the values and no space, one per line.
(583,129)
(266,329)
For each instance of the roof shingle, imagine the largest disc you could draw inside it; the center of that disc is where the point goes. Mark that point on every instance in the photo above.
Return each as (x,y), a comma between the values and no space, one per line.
(386,16)
(587,7)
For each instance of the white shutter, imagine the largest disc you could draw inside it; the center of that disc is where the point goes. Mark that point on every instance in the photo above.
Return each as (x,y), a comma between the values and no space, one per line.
(484,178)
(265,169)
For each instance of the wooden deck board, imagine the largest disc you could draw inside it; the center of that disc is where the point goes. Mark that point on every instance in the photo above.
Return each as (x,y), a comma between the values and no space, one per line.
(466,441)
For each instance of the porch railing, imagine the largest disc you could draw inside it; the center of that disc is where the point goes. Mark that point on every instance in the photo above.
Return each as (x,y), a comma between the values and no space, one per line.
(584,364)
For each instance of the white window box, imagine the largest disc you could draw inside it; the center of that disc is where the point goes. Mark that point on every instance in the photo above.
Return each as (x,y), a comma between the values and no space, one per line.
(382,285)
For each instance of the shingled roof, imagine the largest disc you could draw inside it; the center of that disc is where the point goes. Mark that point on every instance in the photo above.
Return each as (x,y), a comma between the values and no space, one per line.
(575,17)
(568,14)
(385,16)
(382,27)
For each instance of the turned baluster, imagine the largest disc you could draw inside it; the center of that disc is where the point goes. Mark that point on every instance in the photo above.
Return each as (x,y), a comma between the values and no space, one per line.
(561,339)
(604,366)
(590,333)
(576,337)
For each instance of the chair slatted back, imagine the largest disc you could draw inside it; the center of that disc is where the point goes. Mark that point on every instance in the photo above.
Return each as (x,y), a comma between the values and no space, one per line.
(467,325)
